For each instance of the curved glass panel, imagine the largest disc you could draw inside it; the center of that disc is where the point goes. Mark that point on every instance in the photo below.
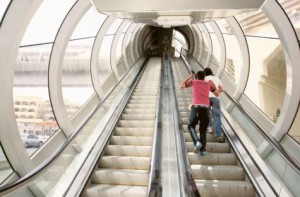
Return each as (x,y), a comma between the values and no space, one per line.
(5,170)
(3,6)
(89,24)
(104,59)
(256,24)
(224,26)
(126,28)
(76,81)
(292,9)
(295,129)
(267,78)
(128,43)
(205,50)
(76,76)
(57,178)
(44,25)
(209,28)
(177,46)
(234,59)
(178,42)
(216,50)
(114,27)
(120,46)
(178,36)
(34,114)
(132,28)
(128,51)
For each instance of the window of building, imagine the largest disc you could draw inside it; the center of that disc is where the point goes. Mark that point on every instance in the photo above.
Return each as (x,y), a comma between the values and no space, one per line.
(32,103)
(31,110)
(23,110)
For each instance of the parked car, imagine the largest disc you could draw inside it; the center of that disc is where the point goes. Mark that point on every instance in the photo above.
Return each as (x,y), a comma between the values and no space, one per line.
(31,140)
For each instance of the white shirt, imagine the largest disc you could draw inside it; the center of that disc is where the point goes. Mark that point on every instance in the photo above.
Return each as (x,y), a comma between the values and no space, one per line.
(216,81)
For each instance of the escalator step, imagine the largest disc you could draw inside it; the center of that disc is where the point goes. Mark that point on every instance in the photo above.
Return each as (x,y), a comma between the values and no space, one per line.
(131,140)
(120,177)
(121,150)
(125,162)
(104,190)
(221,188)
(219,172)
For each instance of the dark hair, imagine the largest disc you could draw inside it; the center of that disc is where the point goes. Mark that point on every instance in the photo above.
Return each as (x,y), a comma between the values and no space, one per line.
(200,75)
(208,71)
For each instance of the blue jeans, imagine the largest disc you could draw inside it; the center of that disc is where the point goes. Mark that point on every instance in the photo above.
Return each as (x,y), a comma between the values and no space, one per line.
(216,112)
(197,114)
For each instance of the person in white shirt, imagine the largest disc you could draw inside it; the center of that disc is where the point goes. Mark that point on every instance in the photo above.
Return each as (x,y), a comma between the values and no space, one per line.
(215,103)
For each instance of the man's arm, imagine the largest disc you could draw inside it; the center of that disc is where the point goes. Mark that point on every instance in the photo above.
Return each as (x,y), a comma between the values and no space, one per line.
(213,88)
(221,88)
(182,84)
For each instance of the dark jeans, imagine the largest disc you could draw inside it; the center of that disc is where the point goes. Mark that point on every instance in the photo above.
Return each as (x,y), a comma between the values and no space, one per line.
(201,114)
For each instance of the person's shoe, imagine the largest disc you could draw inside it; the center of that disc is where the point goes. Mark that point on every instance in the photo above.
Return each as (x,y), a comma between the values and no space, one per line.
(220,139)
(209,130)
(197,147)
(202,153)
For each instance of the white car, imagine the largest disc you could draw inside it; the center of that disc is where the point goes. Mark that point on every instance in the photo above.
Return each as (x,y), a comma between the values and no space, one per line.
(31,140)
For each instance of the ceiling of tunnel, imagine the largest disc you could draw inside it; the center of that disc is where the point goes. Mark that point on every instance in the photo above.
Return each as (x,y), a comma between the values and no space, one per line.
(171,13)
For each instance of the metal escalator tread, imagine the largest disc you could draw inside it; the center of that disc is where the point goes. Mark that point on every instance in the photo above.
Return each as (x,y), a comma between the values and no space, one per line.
(216,174)
(123,169)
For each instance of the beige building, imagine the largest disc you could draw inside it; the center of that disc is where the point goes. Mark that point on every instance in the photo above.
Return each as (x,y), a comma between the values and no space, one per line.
(35,116)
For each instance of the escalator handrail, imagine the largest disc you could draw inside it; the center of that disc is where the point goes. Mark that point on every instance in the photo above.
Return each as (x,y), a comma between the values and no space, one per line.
(267,136)
(154,183)
(39,169)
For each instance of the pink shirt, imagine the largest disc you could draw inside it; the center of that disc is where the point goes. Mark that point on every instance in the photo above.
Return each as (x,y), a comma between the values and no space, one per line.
(200,91)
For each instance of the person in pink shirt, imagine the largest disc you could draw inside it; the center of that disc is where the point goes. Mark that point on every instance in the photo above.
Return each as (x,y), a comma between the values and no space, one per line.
(200,107)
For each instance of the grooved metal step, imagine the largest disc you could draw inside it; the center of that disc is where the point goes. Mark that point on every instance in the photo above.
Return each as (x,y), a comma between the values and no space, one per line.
(222,188)
(105,190)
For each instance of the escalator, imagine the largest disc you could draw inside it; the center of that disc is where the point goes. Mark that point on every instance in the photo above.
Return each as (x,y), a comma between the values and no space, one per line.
(123,168)
(219,172)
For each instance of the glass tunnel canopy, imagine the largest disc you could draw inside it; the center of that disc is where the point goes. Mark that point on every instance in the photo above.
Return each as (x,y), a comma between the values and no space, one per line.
(56,69)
